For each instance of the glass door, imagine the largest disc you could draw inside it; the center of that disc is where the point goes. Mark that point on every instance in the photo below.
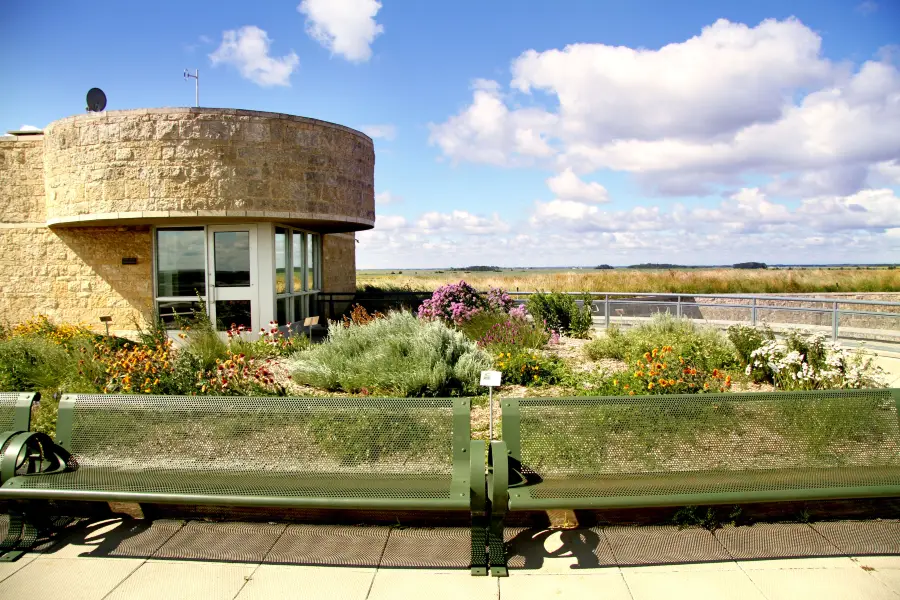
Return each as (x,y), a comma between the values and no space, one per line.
(231,270)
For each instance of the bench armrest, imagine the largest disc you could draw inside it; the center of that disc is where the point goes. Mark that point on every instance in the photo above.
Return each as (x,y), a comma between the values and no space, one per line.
(498,477)
(37,449)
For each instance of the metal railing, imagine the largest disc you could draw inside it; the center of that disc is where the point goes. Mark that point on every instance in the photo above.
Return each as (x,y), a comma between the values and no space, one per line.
(605,301)
(604,304)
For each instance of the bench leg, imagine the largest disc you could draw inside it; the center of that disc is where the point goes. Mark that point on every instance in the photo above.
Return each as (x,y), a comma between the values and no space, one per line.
(479,545)
(496,547)
(25,531)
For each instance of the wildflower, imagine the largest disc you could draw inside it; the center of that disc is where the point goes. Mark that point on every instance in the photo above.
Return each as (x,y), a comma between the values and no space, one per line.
(650,386)
(631,393)
(615,382)
(671,382)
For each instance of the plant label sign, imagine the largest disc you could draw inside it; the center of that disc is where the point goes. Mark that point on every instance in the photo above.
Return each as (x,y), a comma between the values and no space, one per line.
(490,378)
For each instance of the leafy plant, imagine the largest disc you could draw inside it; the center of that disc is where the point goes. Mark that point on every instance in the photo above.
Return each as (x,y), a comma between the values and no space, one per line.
(809,362)
(507,332)
(397,355)
(559,312)
(360,316)
(746,339)
(661,371)
(527,367)
(704,348)
(453,303)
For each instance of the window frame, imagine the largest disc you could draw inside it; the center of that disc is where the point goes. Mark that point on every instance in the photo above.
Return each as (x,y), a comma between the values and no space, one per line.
(308,295)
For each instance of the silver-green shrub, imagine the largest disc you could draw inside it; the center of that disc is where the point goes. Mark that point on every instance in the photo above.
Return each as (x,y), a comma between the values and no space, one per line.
(398,355)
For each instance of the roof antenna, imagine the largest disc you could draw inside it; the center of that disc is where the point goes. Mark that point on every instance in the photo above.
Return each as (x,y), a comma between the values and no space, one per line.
(196,77)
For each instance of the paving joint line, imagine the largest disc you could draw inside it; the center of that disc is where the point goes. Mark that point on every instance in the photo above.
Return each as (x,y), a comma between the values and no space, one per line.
(144,562)
(378,565)
(260,563)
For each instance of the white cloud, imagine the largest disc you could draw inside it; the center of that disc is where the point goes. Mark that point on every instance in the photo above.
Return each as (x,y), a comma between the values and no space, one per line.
(868,209)
(568,186)
(345,27)
(29,128)
(733,102)
(461,221)
(384,131)
(384,198)
(390,222)
(885,173)
(489,132)
(568,215)
(247,49)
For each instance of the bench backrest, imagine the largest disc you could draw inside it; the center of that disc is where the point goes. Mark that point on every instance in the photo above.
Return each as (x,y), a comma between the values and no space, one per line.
(588,436)
(15,410)
(237,433)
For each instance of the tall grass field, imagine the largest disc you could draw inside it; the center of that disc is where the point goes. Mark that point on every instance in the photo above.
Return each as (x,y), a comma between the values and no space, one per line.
(686,281)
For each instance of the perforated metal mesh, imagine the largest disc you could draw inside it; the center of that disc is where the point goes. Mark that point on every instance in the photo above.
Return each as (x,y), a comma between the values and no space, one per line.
(7,410)
(300,447)
(709,443)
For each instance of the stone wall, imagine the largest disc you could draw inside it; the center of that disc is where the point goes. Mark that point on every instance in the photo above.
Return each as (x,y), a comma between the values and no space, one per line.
(76,275)
(339,263)
(150,165)
(21,180)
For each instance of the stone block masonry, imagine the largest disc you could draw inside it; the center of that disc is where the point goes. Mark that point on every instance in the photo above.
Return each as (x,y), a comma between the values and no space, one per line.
(88,192)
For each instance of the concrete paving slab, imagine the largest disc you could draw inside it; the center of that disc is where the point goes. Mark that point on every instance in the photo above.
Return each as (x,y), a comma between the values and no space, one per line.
(889,577)
(878,562)
(125,538)
(8,568)
(690,585)
(862,537)
(554,551)
(287,582)
(658,544)
(820,584)
(67,578)
(184,580)
(822,562)
(436,548)
(400,584)
(607,584)
(336,545)
(774,540)
(232,541)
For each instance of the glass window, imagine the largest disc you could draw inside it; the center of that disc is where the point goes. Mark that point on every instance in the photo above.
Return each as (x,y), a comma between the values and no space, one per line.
(181,262)
(232,257)
(297,260)
(310,261)
(281,308)
(173,314)
(281,250)
(299,312)
(233,312)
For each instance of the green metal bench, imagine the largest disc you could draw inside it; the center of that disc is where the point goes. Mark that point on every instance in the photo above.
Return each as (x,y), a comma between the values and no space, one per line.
(651,451)
(337,453)
(15,410)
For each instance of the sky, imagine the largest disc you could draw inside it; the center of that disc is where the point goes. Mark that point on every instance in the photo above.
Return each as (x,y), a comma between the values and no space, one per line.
(532,133)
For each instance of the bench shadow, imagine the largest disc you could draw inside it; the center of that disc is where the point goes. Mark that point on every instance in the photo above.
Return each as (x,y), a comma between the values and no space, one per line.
(528,548)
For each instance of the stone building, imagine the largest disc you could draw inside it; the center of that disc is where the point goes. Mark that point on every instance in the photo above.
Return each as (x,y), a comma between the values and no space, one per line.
(123,213)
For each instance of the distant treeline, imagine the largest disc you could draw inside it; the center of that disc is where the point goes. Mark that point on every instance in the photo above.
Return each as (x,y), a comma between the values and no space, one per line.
(479,268)
(604,267)
(657,266)
(750,265)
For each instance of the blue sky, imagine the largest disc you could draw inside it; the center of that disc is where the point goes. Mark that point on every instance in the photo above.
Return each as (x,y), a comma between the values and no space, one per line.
(525,133)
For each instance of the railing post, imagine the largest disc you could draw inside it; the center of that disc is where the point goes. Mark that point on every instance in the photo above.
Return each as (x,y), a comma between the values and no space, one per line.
(835,320)
(753,313)
(606,311)
(678,307)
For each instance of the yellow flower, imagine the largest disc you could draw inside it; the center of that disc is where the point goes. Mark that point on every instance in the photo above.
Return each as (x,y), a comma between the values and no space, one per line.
(650,386)
(615,382)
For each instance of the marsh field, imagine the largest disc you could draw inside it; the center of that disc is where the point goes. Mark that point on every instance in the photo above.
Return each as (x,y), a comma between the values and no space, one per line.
(687,280)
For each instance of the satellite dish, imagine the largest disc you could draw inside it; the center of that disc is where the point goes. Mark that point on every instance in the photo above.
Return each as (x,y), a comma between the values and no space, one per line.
(96,100)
